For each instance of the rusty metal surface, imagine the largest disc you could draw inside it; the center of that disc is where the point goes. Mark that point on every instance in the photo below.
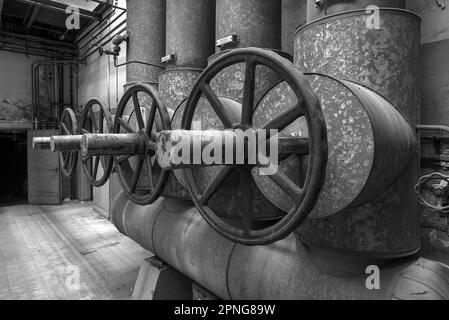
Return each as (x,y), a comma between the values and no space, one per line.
(65,143)
(256,22)
(385,60)
(336,6)
(177,234)
(145,24)
(190,32)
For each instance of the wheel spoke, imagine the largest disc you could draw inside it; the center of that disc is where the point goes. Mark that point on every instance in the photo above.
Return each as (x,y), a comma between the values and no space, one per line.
(123,158)
(213,186)
(97,162)
(101,124)
(216,105)
(125,125)
(93,121)
(138,111)
(246,183)
(285,119)
(248,93)
(136,175)
(64,129)
(284,182)
(85,131)
(150,172)
(294,145)
(151,117)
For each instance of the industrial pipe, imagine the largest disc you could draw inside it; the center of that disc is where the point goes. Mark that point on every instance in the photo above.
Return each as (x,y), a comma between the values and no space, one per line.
(175,232)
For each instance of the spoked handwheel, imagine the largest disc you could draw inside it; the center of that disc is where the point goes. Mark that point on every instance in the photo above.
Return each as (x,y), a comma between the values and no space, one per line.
(68,127)
(436,185)
(247,231)
(96,118)
(141,112)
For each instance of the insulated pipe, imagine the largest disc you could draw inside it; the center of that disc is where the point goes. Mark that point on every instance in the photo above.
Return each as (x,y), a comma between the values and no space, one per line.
(257,23)
(146,28)
(175,232)
(190,36)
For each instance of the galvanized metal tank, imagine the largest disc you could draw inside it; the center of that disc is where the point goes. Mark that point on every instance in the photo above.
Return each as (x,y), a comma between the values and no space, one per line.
(145,24)
(330,7)
(385,60)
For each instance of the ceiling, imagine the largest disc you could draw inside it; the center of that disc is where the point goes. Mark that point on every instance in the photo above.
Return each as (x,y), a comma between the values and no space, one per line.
(47,18)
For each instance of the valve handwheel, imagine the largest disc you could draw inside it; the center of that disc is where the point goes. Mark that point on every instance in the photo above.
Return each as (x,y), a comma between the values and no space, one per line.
(246,231)
(68,127)
(438,185)
(89,124)
(140,112)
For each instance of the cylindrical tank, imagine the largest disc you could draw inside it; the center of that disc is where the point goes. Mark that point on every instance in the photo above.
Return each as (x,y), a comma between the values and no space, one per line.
(256,22)
(385,60)
(145,22)
(190,35)
(174,88)
(177,234)
(330,7)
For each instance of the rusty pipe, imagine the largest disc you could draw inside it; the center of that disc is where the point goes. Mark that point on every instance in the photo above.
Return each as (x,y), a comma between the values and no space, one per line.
(65,143)
(175,232)
(113,144)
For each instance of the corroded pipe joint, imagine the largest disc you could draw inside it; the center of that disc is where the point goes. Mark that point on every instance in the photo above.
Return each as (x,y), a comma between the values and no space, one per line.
(41,143)
(65,143)
(113,144)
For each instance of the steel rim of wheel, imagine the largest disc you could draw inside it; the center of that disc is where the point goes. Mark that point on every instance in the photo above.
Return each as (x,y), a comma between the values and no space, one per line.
(90,125)
(68,127)
(149,193)
(309,107)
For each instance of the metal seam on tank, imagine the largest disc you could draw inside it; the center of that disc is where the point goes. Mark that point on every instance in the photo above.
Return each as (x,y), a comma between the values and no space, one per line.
(125,209)
(154,228)
(376,154)
(371,127)
(228,266)
(348,14)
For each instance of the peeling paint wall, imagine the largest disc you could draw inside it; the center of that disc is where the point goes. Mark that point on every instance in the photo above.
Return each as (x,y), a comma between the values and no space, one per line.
(15,86)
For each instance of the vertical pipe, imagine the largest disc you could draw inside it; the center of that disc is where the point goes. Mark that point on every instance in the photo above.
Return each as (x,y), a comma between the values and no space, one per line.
(256,22)
(189,32)
(146,27)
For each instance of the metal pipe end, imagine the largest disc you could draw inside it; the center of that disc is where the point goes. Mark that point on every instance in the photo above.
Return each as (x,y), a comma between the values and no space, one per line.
(41,143)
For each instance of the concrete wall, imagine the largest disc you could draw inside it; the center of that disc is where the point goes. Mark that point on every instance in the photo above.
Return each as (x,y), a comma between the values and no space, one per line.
(15,86)
(435,51)
(102,80)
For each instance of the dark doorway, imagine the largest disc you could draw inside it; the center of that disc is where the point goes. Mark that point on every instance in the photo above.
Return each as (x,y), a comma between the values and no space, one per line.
(13,164)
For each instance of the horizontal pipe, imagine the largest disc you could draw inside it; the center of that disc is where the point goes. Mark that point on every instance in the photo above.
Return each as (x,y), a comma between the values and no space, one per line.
(176,233)
(41,143)
(113,144)
(65,143)
(176,149)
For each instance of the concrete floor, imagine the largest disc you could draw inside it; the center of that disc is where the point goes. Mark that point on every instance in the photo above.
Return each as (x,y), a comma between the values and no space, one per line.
(64,252)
